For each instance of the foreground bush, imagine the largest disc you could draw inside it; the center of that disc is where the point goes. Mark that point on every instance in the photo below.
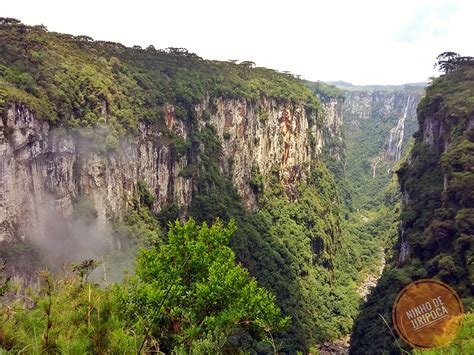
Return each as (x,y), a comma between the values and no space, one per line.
(188,296)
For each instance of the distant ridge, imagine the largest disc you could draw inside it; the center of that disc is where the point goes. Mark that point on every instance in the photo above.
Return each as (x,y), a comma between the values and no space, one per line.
(344,85)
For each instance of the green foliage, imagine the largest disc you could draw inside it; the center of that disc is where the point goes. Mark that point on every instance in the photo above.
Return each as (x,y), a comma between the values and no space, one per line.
(146,197)
(334,157)
(262,115)
(206,116)
(297,252)
(111,142)
(3,98)
(451,61)
(364,236)
(441,182)
(325,91)
(64,316)
(168,213)
(450,97)
(4,280)
(366,141)
(437,214)
(188,171)
(213,303)
(294,248)
(191,288)
(77,82)
(179,145)
(462,344)
(256,180)
(139,227)
(102,90)
(214,195)
(226,136)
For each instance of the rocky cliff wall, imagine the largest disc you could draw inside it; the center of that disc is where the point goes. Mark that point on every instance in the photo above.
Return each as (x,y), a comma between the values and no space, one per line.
(334,126)
(262,137)
(378,125)
(44,170)
(443,144)
(394,112)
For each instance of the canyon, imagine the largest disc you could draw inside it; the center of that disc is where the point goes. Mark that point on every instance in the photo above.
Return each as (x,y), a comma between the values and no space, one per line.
(330,196)
(44,170)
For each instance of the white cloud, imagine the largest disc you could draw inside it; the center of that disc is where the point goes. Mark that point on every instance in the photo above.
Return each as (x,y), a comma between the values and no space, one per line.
(364,41)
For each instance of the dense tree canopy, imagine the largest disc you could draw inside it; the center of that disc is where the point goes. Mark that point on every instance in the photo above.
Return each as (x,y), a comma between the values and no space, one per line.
(77,82)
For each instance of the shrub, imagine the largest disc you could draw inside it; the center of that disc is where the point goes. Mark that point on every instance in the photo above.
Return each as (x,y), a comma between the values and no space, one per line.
(191,288)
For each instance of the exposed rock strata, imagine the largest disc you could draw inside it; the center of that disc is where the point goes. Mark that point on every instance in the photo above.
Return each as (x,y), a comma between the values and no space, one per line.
(43,170)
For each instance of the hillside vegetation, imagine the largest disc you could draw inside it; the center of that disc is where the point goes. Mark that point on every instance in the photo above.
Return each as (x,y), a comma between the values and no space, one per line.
(77,82)
(437,213)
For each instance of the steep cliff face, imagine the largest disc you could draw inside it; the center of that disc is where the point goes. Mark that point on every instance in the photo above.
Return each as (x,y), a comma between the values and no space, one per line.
(43,170)
(92,118)
(290,223)
(333,126)
(334,142)
(395,111)
(436,180)
(378,125)
(95,137)
(264,136)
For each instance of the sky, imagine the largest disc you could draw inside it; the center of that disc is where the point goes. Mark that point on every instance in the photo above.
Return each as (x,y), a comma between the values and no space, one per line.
(358,41)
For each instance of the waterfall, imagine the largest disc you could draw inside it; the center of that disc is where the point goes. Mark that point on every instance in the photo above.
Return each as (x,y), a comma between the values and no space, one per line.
(401,130)
(397,133)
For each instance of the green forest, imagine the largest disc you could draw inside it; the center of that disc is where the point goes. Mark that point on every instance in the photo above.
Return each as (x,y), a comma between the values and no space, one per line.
(72,80)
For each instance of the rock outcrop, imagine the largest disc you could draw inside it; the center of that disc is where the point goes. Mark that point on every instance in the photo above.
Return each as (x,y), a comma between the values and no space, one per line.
(333,126)
(43,170)
(264,136)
